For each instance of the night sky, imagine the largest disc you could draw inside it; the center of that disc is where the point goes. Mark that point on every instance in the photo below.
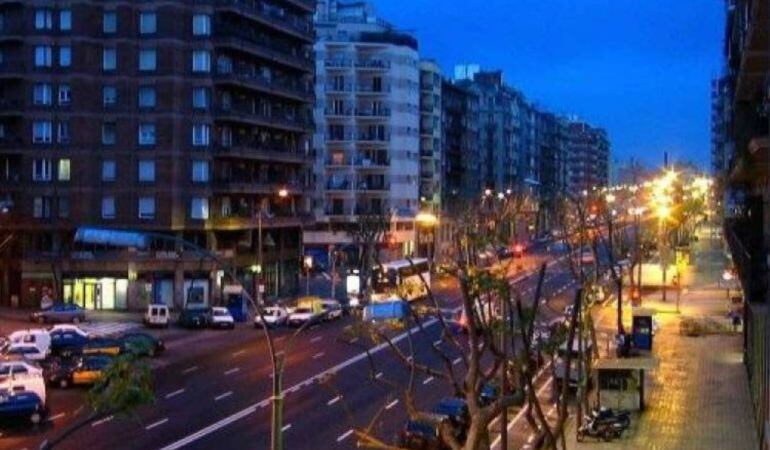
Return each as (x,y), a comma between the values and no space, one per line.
(641,69)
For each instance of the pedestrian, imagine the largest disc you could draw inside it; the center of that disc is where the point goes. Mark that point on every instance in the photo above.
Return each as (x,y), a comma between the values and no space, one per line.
(736,321)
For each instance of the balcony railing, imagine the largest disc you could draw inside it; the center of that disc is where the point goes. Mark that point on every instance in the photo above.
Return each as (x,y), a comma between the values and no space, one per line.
(251,221)
(338,63)
(372,187)
(338,186)
(296,25)
(367,137)
(372,64)
(277,86)
(11,141)
(376,113)
(250,116)
(261,152)
(244,185)
(248,41)
(369,89)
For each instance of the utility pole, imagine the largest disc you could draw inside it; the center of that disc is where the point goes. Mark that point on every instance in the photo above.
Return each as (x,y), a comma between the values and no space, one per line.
(504,375)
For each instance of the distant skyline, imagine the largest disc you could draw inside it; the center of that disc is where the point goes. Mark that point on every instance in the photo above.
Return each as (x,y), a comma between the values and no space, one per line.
(641,70)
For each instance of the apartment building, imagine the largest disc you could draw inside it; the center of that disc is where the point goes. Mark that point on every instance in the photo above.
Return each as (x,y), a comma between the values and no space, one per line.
(588,157)
(190,120)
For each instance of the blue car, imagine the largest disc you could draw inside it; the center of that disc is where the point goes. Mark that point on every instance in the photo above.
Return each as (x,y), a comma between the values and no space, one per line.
(67,342)
(23,405)
(59,312)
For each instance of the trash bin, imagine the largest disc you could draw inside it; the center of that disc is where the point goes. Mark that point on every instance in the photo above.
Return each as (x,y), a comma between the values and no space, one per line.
(641,329)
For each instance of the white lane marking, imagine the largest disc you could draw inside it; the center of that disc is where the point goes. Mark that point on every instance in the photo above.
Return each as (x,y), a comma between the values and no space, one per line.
(378,375)
(279,338)
(318,355)
(427,380)
(251,409)
(457,361)
(437,343)
(391,404)
(280,352)
(334,400)
(239,352)
(286,427)
(313,327)
(354,340)
(105,420)
(294,389)
(190,369)
(316,339)
(344,435)
(156,424)
(223,396)
(174,394)
(232,371)
(57,416)
(520,415)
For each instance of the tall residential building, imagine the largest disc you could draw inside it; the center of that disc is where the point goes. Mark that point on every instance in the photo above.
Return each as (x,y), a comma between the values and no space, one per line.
(460,136)
(186,119)
(430,136)
(588,158)
(552,144)
(721,146)
(367,138)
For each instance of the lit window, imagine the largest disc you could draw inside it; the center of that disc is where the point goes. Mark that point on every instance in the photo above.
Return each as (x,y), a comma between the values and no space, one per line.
(200,98)
(41,208)
(110,22)
(109,95)
(41,169)
(108,133)
(148,23)
(108,207)
(199,208)
(147,134)
(201,61)
(41,94)
(147,170)
(200,171)
(109,59)
(43,19)
(108,170)
(65,94)
(64,170)
(147,97)
(146,207)
(42,132)
(65,56)
(201,25)
(43,56)
(147,60)
(200,135)
(65,19)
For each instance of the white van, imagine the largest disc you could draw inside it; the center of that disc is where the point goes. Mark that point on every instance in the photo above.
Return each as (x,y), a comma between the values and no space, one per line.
(157,316)
(20,376)
(39,337)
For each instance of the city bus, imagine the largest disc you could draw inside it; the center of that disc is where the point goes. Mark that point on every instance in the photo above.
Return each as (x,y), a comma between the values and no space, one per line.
(401,279)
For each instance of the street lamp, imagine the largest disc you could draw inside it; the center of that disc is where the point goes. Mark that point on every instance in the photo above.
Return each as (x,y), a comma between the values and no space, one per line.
(307,263)
(427,220)
(282,193)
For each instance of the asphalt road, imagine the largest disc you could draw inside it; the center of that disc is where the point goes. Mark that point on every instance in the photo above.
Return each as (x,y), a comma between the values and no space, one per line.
(213,388)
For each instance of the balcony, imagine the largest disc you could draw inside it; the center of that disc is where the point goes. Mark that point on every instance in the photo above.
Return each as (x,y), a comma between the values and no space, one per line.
(337,186)
(336,138)
(338,90)
(13,68)
(372,164)
(251,221)
(744,239)
(261,152)
(372,64)
(11,142)
(364,89)
(275,86)
(306,5)
(244,185)
(11,107)
(256,10)
(251,43)
(377,187)
(251,117)
(345,113)
(338,64)
(382,113)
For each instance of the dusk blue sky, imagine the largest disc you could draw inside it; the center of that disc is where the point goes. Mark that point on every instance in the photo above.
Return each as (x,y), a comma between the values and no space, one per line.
(641,69)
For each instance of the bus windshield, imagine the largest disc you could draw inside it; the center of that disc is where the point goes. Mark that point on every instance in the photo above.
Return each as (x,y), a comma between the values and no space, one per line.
(405,279)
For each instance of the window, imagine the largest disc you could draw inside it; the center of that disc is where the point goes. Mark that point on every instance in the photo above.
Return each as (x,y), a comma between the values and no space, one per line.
(147,23)
(109,59)
(64,169)
(147,134)
(108,133)
(63,133)
(147,60)
(201,61)
(41,132)
(108,170)
(65,19)
(200,171)
(108,207)
(109,22)
(41,94)
(109,95)
(41,169)
(199,208)
(41,208)
(65,56)
(200,98)
(147,170)
(201,25)
(146,207)
(65,94)
(147,97)
(64,207)
(43,19)
(200,135)
(43,56)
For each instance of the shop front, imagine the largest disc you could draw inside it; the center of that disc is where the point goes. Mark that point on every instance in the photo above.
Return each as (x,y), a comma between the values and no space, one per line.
(105,293)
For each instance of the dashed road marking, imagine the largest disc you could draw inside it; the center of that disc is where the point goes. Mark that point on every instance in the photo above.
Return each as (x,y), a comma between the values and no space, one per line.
(334,400)
(105,420)
(378,375)
(391,404)
(232,371)
(286,427)
(457,361)
(344,435)
(156,424)
(190,369)
(54,417)
(223,396)
(316,339)
(427,380)
(318,355)
(354,340)
(437,343)
(239,352)
(174,394)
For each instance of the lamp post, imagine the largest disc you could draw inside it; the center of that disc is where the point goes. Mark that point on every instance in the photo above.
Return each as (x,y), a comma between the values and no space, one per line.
(307,264)
(427,220)
(259,269)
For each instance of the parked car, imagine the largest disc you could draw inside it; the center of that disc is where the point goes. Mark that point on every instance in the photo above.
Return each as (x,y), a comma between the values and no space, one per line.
(25,405)
(60,312)
(423,434)
(221,318)
(58,371)
(103,346)
(489,394)
(38,337)
(301,315)
(503,252)
(18,375)
(89,369)
(157,316)
(142,344)
(67,342)
(274,316)
(68,327)
(456,409)
(332,309)
(30,352)
(194,317)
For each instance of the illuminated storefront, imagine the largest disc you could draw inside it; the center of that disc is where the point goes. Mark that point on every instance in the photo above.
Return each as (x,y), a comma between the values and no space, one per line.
(97,293)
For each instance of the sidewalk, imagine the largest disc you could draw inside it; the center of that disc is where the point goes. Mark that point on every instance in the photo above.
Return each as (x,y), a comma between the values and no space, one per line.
(698,398)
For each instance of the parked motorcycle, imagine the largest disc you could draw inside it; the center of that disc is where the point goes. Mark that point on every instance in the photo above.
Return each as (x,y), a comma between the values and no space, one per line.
(610,415)
(604,424)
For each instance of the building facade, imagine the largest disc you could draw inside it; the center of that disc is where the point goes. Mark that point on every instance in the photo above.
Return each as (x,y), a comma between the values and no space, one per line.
(367,138)
(588,158)
(430,136)
(186,119)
